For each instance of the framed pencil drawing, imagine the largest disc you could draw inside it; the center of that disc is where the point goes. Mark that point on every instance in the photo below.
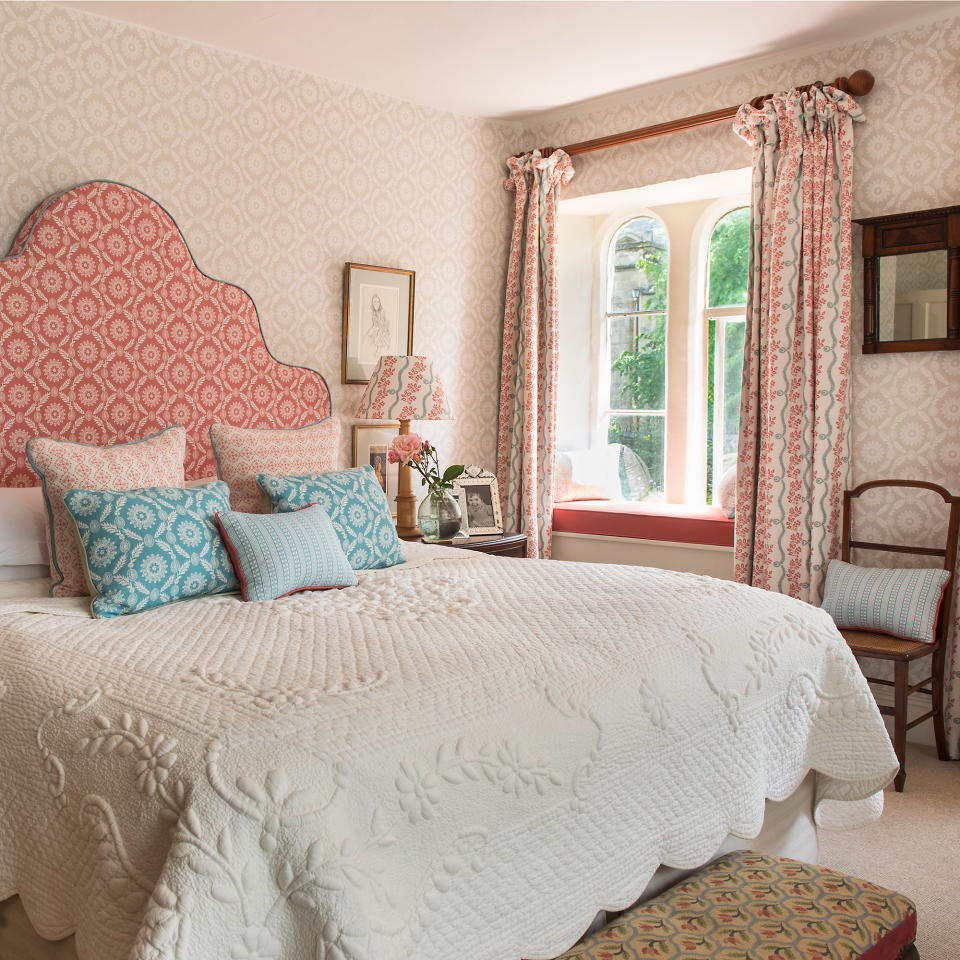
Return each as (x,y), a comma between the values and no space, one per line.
(377,318)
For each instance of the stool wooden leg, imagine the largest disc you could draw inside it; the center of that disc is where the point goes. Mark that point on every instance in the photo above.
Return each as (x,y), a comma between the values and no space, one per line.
(900,680)
(936,687)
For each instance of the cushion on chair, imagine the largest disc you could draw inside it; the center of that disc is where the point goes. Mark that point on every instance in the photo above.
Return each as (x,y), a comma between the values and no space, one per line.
(901,602)
(751,905)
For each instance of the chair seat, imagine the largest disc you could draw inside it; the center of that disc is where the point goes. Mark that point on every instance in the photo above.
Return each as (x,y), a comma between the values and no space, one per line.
(747,905)
(884,647)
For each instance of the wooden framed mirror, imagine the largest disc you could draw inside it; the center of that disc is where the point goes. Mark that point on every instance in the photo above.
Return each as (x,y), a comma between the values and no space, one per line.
(911,281)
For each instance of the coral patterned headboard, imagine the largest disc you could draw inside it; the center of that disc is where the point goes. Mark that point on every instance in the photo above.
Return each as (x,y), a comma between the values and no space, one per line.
(109,332)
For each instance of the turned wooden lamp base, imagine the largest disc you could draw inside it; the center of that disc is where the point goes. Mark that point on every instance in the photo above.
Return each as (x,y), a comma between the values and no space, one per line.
(407,528)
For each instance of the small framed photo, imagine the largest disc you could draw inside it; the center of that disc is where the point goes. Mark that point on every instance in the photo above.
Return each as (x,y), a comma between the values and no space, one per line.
(483,501)
(377,318)
(370,445)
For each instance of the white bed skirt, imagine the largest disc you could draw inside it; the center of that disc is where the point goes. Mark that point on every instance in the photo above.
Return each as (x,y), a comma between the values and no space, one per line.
(788,831)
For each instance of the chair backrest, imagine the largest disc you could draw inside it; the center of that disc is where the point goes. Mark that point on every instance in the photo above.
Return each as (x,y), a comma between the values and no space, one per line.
(948,551)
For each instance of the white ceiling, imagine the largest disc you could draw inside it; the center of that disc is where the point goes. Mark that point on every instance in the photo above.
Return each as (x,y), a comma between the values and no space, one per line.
(512,59)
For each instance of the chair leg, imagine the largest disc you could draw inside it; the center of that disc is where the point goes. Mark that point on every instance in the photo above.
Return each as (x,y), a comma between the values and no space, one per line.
(937,689)
(900,679)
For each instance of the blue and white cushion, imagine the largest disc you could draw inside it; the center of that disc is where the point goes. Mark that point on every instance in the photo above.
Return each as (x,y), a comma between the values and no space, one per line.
(143,548)
(276,554)
(901,602)
(356,505)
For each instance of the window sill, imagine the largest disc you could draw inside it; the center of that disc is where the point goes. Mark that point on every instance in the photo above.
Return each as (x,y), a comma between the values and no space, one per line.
(666,522)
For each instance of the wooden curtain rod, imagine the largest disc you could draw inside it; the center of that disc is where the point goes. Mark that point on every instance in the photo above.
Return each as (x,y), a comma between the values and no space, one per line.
(858,84)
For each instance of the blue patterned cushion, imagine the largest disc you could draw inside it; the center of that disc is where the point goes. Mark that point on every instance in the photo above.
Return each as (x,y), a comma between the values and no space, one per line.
(143,548)
(276,554)
(354,502)
(901,602)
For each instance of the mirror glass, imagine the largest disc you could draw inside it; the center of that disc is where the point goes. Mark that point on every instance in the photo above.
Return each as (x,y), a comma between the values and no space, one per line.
(912,298)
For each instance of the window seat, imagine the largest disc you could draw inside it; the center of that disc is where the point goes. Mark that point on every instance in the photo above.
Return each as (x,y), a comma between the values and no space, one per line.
(668,522)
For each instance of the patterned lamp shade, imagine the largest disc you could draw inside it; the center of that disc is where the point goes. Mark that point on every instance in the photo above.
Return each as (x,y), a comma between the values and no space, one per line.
(404,388)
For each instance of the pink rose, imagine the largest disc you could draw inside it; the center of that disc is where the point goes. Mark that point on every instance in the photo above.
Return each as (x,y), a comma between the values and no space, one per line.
(405,448)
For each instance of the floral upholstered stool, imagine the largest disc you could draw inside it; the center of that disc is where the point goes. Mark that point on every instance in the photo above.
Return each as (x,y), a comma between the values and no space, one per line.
(747,906)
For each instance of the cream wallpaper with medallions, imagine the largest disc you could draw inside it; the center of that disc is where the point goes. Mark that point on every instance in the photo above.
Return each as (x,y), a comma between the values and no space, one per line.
(276,178)
(906,407)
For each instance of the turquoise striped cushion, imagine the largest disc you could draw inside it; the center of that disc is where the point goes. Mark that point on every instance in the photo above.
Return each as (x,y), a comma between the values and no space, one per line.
(901,602)
(356,505)
(276,554)
(143,548)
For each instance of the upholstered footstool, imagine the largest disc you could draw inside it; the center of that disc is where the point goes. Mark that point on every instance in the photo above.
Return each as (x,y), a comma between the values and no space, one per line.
(747,906)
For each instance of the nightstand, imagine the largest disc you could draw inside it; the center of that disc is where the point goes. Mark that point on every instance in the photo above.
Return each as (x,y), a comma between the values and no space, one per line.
(499,544)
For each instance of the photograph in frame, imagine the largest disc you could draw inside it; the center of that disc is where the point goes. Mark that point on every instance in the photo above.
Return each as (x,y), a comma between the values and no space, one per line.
(377,318)
(482,503)
(371,443)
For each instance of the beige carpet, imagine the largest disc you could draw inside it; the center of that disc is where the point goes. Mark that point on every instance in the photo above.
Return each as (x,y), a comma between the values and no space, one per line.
(914,848)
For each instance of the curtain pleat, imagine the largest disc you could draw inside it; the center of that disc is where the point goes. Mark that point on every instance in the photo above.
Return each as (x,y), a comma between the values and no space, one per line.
(527,435)
(793,460)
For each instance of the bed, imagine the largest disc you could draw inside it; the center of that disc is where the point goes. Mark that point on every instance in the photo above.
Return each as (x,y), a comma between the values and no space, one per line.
(461,756)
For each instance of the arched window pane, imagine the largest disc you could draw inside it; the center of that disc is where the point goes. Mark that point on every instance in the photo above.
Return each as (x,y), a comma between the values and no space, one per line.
(726,296)
(636,334)
(639,262)
(729,253)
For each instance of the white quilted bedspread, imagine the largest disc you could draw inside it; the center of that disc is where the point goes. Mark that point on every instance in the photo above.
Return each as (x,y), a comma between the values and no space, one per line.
(462,758)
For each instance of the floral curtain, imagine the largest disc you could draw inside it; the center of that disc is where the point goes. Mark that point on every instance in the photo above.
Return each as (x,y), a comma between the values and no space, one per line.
(793,460)
(527,439)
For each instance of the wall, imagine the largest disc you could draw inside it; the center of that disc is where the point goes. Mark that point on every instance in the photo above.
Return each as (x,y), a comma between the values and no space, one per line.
(276,179)
(577,408)
(699,558)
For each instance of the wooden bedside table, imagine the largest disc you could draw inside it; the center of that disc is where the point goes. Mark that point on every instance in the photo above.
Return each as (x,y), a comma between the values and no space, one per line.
(499,544)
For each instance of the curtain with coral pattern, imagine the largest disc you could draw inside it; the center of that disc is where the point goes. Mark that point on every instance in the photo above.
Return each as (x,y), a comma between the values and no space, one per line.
(527,437)
(793,458)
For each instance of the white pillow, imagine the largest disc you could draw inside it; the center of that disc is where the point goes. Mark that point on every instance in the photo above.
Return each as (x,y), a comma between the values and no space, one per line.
(23,537)
(725,496)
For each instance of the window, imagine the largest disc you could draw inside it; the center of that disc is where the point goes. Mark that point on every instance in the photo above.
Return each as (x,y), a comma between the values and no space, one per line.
(636,326)
(725,320)
(652,290)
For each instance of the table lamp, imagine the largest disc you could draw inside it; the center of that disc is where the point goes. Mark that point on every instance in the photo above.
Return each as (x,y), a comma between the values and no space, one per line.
(404,389)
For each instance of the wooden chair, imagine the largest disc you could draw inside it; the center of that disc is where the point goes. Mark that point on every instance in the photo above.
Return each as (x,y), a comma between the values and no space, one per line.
(902,653)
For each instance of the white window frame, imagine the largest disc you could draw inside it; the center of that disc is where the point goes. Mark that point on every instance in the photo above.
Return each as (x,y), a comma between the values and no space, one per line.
(688,480)
(722,315)
(606,412)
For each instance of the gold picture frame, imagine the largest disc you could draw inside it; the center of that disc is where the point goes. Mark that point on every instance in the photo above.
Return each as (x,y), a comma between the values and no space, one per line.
(367,438)
(377,318)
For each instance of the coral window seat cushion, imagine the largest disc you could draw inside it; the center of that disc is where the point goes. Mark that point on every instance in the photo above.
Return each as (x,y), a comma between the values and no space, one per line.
(356,505)
(243,452)
(276,554)
(155,461)
(896,601)
(667,522)
(145,548)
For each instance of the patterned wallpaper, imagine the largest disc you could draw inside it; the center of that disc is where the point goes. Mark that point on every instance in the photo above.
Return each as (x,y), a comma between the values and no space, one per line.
(276,178)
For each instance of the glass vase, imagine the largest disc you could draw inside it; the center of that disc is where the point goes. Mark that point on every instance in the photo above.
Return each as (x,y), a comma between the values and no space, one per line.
(439,516)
